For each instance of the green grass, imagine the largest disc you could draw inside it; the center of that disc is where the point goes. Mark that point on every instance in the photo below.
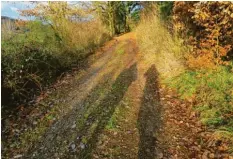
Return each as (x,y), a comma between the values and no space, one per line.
(118,114)
(213,92)
(112,123)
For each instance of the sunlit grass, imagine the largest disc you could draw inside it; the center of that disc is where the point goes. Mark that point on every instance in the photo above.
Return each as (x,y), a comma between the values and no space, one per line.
(158,46)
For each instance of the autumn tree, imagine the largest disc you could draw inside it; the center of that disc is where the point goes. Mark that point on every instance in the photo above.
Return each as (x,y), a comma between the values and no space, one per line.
(208,26)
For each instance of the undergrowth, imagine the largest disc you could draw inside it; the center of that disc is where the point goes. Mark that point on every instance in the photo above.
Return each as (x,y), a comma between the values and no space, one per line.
(213,94)
(33,56)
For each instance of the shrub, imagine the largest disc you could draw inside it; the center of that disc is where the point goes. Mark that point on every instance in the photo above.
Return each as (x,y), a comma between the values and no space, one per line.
(27,62)
(208,29)
(34,54)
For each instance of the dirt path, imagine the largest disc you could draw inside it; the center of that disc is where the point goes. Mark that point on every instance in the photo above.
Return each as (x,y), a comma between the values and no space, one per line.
(109,110)
(97,112)
(100,90)
(115,79)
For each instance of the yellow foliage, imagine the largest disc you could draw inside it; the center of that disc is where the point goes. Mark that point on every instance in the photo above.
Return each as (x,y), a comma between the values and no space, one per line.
(202,61)
(209,26)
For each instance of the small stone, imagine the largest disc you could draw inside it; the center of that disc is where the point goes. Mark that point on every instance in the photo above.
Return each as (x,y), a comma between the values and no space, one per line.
(17,130)
(41,148)
(72,146)
(82,146)
(18,156)
(34,123)
(181,121)
(73,126)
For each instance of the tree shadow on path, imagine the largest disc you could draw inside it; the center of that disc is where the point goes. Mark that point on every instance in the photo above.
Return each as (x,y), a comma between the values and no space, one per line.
(105,109)
(149,115)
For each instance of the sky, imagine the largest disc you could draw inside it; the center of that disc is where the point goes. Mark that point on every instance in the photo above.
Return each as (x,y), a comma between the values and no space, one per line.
(11,9)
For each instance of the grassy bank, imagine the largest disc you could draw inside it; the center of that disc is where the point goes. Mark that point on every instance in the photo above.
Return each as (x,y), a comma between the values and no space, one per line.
(34,55)
(212,95)
(209,90)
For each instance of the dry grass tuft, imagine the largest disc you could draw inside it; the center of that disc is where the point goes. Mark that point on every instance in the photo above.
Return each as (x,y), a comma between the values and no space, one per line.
(160,47)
